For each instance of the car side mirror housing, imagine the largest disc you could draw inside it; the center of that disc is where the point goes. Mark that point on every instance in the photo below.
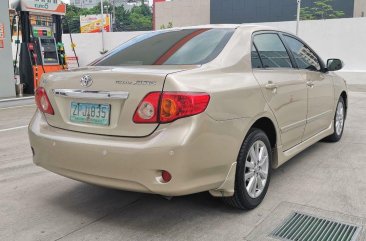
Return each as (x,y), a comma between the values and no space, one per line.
(334,64)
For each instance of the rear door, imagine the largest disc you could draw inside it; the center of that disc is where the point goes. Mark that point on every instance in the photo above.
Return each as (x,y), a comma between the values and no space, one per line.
(283,87)
(319,84)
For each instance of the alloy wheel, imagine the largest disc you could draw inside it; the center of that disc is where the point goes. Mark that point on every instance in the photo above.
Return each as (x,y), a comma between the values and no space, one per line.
(256,169)
(339,118)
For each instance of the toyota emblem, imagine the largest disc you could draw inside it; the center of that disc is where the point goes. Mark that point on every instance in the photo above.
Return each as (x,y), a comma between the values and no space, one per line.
(86,81)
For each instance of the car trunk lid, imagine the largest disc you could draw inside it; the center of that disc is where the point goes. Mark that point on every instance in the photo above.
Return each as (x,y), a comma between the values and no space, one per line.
(103,100)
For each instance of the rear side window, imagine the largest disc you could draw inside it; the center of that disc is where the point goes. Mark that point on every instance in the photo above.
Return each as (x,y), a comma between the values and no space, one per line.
(171,47)
(305,58)
(256,61)
(272,51)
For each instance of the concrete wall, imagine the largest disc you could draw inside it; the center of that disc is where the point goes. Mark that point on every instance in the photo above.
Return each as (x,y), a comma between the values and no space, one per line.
(360,8)
(7,83)
(338,38)
(88,46)
(182,13)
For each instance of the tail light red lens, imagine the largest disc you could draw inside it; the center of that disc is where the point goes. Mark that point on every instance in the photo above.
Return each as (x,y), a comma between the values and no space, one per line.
(42,101)
(166,107)
(147,111)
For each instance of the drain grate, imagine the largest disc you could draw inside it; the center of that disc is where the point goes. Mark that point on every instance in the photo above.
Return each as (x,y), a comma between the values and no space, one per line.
(304,227)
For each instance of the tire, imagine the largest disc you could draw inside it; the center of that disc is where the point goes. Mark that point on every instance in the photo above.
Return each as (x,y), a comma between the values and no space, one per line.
(338,121)
(246,166)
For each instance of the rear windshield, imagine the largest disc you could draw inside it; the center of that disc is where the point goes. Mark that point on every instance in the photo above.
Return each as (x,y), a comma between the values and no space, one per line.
(171,47)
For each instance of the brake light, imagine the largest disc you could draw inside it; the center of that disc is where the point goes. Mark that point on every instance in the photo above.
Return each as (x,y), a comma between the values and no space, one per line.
(167,107)
(42,101)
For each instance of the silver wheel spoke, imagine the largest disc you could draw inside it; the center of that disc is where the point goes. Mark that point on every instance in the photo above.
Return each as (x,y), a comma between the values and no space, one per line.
(263,174)
(249,175)
(254,186)
(260,183)
(263,161)
(260,155)
(253,155)
(249,164)
(256,150)
(251,185)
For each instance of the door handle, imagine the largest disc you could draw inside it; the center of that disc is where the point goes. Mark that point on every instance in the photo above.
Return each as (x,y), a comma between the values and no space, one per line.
(310,84)
(271,86)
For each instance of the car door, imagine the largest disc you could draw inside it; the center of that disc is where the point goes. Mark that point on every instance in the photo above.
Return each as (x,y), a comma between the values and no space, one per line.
(283,86)
(320,86)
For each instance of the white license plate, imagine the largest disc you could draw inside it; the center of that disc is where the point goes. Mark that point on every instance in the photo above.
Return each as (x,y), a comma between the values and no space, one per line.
(96,114)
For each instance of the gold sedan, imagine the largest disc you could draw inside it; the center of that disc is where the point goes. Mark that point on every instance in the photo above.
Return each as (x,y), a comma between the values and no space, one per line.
(182,111)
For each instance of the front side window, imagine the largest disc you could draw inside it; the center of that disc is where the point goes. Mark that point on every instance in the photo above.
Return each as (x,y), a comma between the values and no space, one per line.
(304,57)
(170,47)
(272,51)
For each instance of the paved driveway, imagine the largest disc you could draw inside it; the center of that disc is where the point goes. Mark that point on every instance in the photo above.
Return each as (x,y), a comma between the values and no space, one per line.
(38,205)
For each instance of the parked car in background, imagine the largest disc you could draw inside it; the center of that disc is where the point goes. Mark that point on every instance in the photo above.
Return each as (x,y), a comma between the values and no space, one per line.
(187,110)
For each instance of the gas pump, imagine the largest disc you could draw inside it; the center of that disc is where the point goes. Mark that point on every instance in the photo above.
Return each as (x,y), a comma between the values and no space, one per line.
(41,50)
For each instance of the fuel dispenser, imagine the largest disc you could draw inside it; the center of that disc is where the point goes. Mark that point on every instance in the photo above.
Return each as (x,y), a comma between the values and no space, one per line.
(41,48)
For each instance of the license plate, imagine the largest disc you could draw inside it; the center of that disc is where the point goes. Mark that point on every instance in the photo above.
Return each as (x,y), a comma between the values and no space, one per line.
(96,114)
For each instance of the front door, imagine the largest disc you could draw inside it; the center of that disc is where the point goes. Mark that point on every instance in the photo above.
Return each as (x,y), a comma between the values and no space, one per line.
(283,86)
(320,87)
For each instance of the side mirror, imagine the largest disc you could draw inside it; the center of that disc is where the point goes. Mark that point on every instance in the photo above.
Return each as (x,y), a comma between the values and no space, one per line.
(334,64)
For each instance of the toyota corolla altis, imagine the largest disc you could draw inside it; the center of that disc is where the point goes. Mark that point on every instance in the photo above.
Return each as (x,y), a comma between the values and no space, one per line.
(182,111)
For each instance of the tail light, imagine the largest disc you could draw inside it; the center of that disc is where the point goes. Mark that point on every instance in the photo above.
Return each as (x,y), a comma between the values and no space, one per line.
(42,101)
(167,107)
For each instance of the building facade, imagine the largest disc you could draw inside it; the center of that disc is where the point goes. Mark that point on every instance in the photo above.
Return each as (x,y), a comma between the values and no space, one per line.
(196,12)
(84,3)
(181,13)
(127,4)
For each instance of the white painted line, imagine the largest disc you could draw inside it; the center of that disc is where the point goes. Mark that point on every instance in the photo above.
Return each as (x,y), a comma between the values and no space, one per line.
(19,99)
(15,107)
(14,128)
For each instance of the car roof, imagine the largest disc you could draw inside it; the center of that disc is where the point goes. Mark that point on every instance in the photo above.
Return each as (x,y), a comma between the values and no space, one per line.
(245,26)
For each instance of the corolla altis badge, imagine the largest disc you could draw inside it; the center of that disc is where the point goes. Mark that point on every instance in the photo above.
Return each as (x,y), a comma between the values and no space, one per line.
(86,80)
(137,82)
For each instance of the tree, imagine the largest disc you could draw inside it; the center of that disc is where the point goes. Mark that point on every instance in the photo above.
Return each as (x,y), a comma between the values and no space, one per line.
(141,18)
(322,9)
(170,25)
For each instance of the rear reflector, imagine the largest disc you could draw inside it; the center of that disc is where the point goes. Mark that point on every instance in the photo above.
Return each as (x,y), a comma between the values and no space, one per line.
(166,176)
(167,107)
(42,101)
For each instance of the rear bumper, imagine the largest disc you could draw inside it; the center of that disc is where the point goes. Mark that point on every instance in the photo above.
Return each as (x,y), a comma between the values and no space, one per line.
(197,151)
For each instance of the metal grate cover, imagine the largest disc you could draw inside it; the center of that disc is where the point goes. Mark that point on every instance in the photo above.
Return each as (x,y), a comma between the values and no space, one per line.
(304,227)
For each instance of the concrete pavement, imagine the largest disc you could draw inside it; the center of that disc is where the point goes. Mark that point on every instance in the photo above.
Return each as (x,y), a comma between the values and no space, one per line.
(38,205)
